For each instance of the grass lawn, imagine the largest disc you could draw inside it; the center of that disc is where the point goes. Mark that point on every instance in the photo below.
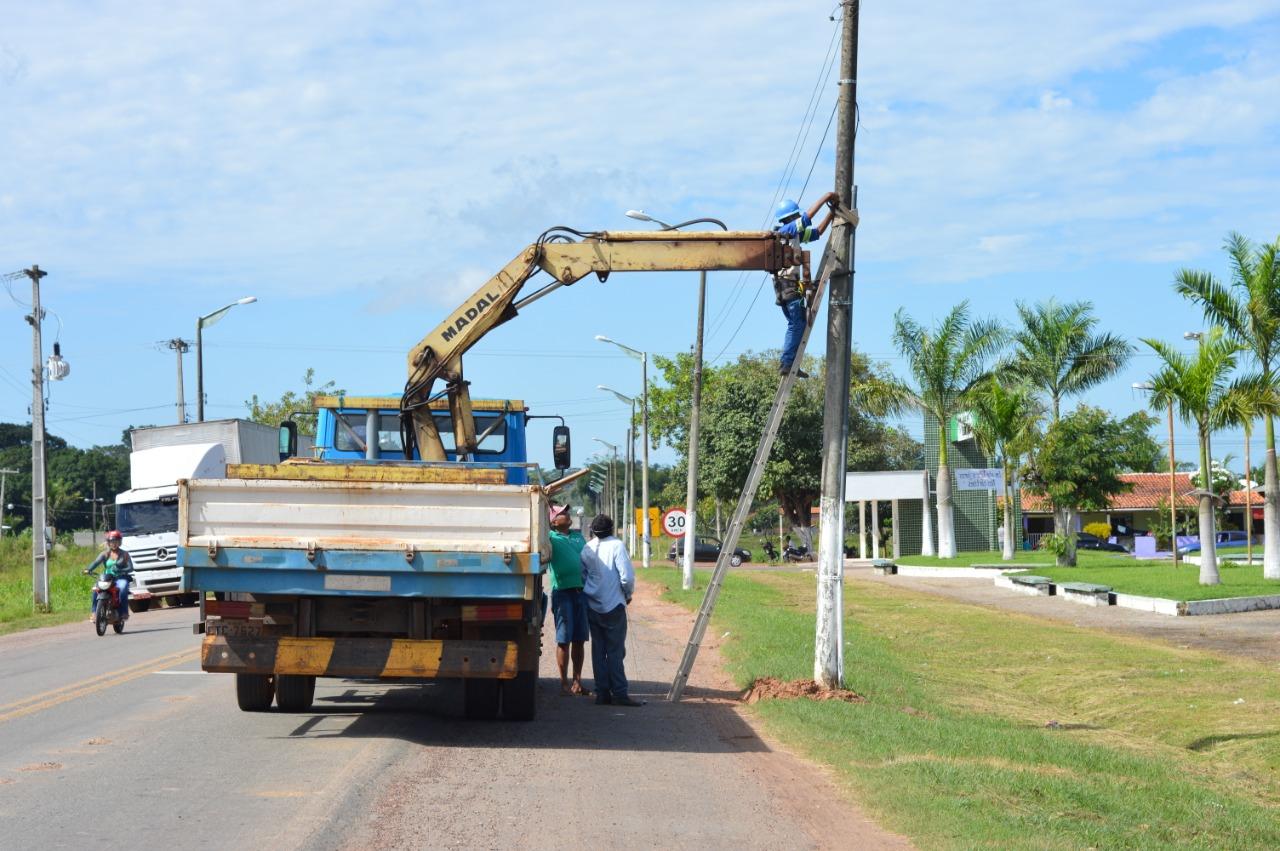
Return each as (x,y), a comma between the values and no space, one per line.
(69,590)
(1021,558)
(1161,579)
(1151,747)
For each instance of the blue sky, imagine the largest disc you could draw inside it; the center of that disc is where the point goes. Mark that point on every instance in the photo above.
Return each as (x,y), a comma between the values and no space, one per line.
(361,169)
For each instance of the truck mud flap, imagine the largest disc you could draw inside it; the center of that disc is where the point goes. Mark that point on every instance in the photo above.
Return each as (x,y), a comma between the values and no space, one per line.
(359,657)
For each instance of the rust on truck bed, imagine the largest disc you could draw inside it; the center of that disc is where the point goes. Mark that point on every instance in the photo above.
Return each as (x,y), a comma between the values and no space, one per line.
(314,471)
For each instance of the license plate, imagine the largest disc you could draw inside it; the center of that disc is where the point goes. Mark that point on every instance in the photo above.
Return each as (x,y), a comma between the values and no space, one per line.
(348,582)
(239,629)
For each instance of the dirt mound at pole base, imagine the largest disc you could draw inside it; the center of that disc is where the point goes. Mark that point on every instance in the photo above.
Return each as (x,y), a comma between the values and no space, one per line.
(767,688)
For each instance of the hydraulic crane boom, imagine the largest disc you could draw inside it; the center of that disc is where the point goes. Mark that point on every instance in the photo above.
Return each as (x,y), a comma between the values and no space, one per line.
(439,354)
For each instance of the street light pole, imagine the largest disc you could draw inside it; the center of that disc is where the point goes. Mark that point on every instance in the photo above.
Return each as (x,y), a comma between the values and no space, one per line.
(180,346)
(201,323)
(644,420)
(39,482)
(695,414)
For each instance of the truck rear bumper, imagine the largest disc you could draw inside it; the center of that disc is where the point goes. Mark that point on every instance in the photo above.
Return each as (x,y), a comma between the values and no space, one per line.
(359,657)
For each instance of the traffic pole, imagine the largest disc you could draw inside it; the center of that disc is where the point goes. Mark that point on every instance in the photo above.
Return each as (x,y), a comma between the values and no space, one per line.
(828,657)
(691,490)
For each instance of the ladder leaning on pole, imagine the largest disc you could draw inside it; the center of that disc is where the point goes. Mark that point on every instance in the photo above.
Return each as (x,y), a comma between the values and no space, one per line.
(748,495)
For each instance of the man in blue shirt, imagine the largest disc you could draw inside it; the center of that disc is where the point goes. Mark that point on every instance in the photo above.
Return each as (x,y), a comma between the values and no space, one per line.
(608,583)
(795,225)
(568,604)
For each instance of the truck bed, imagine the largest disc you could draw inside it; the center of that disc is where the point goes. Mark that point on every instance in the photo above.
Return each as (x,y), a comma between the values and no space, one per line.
(314,535)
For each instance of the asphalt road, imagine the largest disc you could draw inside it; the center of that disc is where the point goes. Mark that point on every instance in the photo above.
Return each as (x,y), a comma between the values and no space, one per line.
(121,741)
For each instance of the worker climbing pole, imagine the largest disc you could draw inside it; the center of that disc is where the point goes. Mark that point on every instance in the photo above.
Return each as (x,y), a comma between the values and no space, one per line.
(837,266)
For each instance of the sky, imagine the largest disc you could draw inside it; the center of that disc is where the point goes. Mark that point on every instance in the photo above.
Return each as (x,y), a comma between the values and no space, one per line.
(361,169)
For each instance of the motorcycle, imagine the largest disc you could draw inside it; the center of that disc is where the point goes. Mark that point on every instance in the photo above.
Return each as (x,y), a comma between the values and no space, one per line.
(794,553)
(770,551)
(106,608)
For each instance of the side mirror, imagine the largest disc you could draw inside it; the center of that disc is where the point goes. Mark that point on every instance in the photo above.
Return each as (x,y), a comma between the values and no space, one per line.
(288,439)
(560,447)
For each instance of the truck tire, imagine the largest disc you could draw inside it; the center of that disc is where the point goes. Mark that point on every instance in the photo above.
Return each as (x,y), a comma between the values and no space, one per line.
(139,606)
(294,693)
(519,696)
(254,692)
(480,699)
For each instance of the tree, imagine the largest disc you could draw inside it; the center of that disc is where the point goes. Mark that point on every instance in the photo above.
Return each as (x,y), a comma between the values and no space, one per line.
(1247,401)
(274,413)
(1006,424)
(1143,454)
(1056,350)
(1249,309)
(945,362)
(735,401)
(1077,467)
(1198,388)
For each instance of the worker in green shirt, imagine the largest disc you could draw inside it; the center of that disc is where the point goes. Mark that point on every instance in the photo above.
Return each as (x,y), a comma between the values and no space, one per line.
(568,605)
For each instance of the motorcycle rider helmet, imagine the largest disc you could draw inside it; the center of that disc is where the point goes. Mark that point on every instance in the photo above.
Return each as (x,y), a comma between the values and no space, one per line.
(114,535)
(786,211)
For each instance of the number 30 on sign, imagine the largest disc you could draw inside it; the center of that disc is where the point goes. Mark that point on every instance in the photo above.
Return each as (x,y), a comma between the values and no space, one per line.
(673,522)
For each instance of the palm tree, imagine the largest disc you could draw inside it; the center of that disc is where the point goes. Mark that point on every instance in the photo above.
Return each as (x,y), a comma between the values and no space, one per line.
(1056,350)
(1006,423)
(1246,401)
(1249,309)
(1198,388)
(946,362)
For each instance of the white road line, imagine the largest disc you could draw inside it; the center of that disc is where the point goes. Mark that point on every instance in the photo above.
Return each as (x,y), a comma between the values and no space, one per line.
(178,672)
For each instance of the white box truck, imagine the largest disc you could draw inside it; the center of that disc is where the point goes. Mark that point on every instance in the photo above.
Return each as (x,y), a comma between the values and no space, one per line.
(147,513)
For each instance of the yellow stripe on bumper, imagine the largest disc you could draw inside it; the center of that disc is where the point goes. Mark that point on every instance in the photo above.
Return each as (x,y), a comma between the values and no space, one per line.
(358,657)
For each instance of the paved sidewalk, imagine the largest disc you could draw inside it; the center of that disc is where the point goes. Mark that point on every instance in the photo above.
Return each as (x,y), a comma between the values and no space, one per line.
(1251,635)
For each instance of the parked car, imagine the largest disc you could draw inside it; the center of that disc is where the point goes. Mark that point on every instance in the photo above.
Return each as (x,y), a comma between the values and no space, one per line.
(1226,538)
(706,549)
(1085,541)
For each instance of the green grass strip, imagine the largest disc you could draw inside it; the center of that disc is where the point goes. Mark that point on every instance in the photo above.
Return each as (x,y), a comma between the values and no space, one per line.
(69,590)
(1151,748)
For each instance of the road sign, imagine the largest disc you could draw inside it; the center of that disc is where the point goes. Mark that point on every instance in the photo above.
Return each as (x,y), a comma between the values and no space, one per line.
(673,522)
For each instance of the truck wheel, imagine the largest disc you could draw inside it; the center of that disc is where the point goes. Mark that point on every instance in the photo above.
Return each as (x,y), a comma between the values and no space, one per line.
(294,693)
(100,616)
(139,606)
(519,696)
(480,699)
(254,692)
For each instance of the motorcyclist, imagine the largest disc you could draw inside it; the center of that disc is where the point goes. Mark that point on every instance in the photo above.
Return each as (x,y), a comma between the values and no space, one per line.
(118,565)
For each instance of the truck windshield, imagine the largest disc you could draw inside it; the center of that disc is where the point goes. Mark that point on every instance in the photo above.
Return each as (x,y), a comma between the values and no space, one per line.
(147,518)
(495,443)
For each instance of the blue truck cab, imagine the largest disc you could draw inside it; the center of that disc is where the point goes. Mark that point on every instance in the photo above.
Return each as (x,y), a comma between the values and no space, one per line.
(344,421)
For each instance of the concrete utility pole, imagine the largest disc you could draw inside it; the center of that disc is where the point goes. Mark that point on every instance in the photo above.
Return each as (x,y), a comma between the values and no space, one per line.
(39,497)
(695,415)
(180,346)
(828,657)
(3,475)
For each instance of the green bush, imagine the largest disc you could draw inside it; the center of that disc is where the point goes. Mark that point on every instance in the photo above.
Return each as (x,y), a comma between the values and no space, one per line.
(1054,543)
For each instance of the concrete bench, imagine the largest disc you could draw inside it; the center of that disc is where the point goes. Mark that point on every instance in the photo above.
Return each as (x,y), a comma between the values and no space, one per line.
(1086,593)
(884,567)
(1028,584)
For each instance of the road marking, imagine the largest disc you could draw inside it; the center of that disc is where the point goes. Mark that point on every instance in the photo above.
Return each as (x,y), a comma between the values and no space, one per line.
(53,697)
(176,673)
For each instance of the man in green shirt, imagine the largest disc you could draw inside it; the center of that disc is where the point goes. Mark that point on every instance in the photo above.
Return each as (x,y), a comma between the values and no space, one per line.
(568,605)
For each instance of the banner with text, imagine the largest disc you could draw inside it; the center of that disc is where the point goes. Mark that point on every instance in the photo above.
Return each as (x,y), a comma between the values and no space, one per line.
(979,479)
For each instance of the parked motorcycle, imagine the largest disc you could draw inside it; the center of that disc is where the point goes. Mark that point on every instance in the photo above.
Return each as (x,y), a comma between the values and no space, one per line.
(794,553)
(106,608)
(770,550)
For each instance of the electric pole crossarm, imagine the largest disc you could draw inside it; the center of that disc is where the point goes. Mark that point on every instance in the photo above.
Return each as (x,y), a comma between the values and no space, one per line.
(730,543)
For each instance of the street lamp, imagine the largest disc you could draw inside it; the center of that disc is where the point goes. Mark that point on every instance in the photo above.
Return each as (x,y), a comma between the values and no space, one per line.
(630,501)
(613,482)
(1147,386)
(202,323)
(643,357)
(695,413)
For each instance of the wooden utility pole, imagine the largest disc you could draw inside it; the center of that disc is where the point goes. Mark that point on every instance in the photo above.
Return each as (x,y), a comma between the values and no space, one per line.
(39,497)
(828,658)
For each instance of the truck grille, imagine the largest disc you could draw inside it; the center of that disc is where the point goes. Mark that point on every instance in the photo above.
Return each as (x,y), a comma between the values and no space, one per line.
(151,557)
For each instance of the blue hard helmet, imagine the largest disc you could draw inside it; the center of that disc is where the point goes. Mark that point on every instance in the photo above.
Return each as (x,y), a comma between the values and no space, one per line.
(787,210)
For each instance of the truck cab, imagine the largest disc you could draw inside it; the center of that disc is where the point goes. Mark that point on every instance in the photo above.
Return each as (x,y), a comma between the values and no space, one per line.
(344,422)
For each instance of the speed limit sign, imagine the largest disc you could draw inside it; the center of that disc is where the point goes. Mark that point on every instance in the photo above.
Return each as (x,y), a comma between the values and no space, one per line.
(673,522)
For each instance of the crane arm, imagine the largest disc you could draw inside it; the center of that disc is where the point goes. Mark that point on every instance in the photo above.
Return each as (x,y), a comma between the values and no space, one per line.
(439,354)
